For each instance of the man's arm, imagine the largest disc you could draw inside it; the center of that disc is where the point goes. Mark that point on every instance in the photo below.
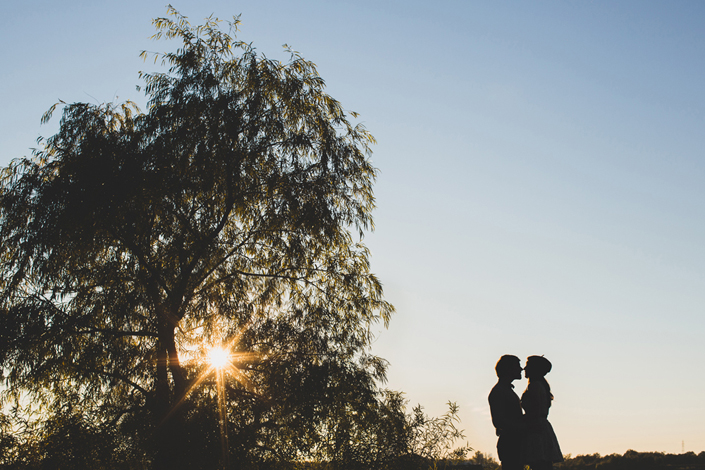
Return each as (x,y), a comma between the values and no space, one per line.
(506,412)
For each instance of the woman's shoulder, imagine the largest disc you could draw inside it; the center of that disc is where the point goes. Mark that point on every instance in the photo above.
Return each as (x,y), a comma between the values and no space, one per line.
(535,391)
(535,387)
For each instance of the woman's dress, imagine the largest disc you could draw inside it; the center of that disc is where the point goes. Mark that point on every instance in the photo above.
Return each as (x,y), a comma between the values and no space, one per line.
(540,443)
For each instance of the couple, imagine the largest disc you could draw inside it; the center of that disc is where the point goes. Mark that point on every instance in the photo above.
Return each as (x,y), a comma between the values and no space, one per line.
(525,437)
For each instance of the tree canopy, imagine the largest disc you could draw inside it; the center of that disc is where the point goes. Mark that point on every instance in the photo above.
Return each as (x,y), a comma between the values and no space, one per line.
(230,212)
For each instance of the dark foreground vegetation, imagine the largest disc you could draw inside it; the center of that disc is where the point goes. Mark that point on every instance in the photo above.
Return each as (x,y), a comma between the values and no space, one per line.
(384,438)
(632,460)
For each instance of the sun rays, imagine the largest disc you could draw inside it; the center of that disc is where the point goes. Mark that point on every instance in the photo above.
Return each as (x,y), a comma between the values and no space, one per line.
(218,357)
(223,362)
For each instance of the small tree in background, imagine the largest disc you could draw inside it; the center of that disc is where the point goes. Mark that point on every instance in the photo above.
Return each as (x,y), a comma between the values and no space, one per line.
(484,460)
(433,438)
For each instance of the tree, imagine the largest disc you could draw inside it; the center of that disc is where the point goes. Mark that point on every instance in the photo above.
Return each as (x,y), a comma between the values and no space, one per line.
(433,438)
(227,213)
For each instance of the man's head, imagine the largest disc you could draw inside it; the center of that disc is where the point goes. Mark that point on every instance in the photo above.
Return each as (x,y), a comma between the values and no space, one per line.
(508,367)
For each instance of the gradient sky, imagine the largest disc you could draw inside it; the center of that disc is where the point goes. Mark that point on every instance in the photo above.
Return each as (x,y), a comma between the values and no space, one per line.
(541,188)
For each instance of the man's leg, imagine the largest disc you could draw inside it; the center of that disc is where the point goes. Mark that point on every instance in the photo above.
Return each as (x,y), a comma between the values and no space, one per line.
(509,452)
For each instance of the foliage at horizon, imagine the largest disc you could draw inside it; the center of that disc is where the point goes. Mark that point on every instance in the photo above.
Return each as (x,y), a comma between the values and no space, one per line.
(633,460)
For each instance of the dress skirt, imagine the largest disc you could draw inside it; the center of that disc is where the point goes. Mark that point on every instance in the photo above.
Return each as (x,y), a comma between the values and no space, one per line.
(540,444)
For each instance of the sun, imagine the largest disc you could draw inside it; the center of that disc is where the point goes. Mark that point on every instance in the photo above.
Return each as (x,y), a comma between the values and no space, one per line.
(218,357)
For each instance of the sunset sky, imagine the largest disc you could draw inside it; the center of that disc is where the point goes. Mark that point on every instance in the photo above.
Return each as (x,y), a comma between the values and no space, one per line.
(541,187)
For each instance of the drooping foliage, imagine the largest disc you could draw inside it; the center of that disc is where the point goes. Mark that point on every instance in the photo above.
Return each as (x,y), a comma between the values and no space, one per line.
(229,212)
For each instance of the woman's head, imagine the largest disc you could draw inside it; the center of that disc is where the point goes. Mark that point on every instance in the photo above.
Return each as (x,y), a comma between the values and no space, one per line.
(537,366)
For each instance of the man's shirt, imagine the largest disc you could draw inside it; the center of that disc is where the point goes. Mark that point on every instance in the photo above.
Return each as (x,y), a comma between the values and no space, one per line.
(505,409)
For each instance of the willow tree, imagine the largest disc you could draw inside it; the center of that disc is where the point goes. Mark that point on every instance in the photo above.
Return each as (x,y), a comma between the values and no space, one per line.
(230,212)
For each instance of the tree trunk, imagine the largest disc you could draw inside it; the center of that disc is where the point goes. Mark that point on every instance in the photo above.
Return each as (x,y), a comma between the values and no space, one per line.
(169,426)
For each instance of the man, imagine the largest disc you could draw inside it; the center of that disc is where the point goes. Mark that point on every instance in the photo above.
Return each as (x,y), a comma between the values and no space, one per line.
(506,412)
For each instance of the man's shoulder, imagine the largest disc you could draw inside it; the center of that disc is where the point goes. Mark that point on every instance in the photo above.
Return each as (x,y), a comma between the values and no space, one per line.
(501,391)
(502,387)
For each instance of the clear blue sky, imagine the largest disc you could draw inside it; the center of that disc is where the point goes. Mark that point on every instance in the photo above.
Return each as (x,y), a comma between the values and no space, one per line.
(541,190)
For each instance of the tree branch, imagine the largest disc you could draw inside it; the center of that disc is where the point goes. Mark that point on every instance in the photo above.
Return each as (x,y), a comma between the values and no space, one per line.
(118,333)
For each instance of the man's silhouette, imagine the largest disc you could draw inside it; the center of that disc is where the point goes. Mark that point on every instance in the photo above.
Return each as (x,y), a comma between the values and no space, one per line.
(507,418)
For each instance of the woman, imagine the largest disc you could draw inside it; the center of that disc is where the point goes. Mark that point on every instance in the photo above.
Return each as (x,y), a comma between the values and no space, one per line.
(540,447)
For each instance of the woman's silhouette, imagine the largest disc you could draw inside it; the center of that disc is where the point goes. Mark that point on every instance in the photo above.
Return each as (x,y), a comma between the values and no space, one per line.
(540,447)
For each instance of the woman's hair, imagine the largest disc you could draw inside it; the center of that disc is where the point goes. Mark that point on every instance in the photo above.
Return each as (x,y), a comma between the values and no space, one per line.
(542,366)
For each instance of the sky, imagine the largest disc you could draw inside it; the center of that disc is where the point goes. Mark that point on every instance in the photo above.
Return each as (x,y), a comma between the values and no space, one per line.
(540,189)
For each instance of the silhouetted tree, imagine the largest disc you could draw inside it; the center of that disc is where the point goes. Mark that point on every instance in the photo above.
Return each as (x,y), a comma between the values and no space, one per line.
(485,461)
(433,438)
(228,212)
